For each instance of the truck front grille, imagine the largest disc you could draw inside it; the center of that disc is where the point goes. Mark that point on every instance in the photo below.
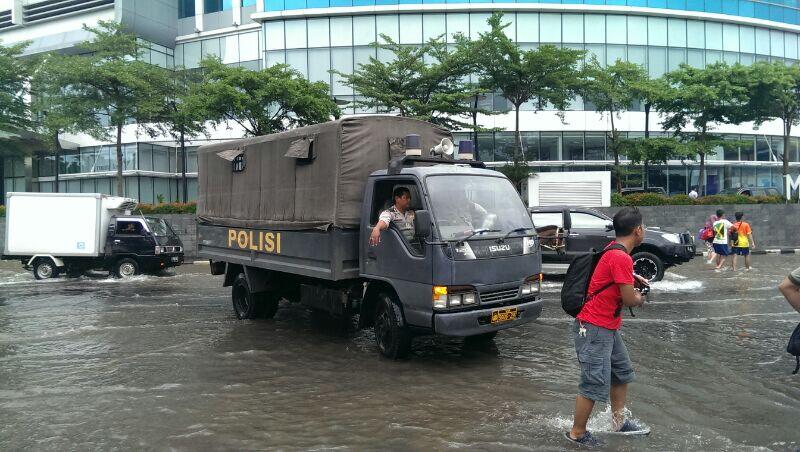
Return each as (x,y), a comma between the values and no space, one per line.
(497,296)
(173,249)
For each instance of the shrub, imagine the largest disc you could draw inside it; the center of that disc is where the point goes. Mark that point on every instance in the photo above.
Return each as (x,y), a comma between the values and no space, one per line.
(618,200)
(680,200)
(169,208)
(653,199)
(2,211)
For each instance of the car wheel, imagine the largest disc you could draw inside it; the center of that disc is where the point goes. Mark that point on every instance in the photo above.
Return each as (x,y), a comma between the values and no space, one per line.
(126,268)
(648,266)
(45,268)
(393,339)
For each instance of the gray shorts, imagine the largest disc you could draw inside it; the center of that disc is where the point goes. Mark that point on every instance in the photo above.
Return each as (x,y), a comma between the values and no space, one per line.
(604,361)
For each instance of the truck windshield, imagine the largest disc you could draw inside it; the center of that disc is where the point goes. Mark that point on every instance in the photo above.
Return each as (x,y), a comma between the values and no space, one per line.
(159,227)
(463,204)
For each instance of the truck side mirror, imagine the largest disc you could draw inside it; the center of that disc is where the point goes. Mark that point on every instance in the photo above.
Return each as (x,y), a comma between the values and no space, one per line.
(609,227)
(422,224)
(566,219)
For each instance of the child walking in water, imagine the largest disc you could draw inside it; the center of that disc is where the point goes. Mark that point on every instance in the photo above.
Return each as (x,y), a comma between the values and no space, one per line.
(744,240)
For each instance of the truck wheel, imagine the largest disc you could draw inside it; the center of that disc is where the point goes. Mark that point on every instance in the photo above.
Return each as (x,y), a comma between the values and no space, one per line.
(243,302)
(394,340)
(126,267)
(648,265)
(266,304)
(45,268)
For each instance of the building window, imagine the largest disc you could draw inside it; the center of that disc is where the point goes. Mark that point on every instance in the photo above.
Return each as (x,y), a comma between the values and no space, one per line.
(185,8)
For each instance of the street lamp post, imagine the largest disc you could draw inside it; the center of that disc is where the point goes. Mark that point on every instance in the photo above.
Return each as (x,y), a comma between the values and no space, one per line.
(476,98)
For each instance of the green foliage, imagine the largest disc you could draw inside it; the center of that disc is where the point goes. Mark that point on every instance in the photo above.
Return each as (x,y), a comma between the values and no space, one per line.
(2,211)
(652,199)
(105,80)
(516,171)
(160,198)
(262,102)
(15,72)
(168,208)
(424,82)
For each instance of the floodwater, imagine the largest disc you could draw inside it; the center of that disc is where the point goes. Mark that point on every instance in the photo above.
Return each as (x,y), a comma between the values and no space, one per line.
(161,363)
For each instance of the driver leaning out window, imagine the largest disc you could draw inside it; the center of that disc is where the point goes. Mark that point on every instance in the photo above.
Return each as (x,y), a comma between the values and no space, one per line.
(399,214)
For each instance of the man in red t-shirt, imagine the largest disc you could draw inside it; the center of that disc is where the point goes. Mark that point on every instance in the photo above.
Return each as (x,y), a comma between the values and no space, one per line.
(605,365)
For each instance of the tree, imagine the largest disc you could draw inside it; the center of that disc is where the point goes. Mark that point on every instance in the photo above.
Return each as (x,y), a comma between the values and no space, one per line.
(694,101)
(650,151)
(106,80)
(182,121)
(773,93)
(547,75)
(425,82)
(261,102)
(613,89)
(15,73)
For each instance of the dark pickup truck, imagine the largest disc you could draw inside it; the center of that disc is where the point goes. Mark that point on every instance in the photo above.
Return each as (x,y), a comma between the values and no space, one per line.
(577,230)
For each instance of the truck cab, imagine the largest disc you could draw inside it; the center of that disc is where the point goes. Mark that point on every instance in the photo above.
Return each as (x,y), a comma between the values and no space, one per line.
(137,244)
(470,267)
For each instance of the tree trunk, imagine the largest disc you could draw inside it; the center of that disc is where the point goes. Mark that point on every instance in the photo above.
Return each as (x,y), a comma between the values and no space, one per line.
(646,120)
(787,130)
(120,180)
(702,177)
(56,169)
(184,182)
(519,135)
(645,182)
(475,155)
(615,151)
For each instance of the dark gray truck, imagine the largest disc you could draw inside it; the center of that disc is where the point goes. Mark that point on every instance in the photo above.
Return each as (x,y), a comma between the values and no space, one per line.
(289,215)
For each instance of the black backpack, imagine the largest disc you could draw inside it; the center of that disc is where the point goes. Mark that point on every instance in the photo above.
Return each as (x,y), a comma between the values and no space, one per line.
(576,283)
(733,232)
(794,347)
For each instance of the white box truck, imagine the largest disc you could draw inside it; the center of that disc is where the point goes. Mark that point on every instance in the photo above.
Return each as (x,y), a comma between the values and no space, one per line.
(54,233)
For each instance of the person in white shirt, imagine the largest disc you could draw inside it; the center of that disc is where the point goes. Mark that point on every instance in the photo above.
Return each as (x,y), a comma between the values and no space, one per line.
(398,213)
(721,238)
(693,194)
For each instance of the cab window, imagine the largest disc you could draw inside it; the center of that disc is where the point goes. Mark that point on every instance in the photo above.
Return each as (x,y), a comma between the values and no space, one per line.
(129,228)
(543,219)
(582,220)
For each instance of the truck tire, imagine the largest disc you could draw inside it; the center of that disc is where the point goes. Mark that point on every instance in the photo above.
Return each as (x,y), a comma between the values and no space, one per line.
(648,265)
(126,268)
(45,268)
(248,305)
(393,339)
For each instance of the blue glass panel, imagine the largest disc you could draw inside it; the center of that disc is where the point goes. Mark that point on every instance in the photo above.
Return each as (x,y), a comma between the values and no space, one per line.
(363,2)
(776,13)
(227,4)
(730,7)
(409,2)
(294,4)
(714,6)
(676,4)
(385,2)
(595,2)
(615,2)
(695,5)
(762,11)
(185,8)
(434,1)
(657,3)
(341,2)
(248,2)
(273,5)
(637,2)
(747,8)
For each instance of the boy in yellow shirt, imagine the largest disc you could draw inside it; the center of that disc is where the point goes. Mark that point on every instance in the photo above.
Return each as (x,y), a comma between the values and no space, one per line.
(744,240)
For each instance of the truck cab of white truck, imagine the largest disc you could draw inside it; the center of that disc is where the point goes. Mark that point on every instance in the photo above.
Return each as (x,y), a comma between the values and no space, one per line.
(70,233)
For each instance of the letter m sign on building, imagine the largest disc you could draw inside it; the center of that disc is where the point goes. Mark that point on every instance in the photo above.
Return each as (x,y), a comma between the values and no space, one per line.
(791,186)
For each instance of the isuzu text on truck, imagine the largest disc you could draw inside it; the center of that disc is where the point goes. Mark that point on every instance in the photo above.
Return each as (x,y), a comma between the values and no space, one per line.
(289,216)
(54,233)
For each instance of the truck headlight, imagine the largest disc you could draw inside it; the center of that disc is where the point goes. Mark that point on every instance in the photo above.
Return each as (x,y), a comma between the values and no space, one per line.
(529,245)
(159,249)
(453,297)
(674,238)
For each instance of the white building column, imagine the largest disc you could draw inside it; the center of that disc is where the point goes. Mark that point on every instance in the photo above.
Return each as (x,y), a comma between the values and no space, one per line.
(199,10)
(16,12)
(237,13)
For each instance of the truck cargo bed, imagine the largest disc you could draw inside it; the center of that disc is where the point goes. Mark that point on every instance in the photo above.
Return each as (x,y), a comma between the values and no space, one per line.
(330,255)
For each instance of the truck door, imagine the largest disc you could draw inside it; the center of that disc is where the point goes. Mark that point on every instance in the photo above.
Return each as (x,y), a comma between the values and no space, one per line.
(131,237)
(398,256)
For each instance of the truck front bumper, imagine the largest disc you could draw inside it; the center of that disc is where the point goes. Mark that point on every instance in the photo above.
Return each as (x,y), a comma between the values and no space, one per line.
(471,323)
(679,254)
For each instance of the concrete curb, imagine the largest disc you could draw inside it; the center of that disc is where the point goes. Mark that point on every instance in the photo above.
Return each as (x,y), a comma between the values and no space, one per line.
(768,251)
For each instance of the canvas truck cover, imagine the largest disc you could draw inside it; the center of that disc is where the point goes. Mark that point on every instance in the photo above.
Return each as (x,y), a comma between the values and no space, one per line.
(308,178)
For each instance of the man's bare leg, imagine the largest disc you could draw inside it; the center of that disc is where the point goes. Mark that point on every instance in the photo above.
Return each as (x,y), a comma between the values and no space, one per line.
(583,409)
(734,262)
(619,393)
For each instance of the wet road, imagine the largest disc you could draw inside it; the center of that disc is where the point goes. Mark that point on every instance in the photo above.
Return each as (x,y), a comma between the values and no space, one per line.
(161,362)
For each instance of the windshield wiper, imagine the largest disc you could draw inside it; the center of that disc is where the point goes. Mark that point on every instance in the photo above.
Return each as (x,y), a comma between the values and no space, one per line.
(476,232)
(514,231)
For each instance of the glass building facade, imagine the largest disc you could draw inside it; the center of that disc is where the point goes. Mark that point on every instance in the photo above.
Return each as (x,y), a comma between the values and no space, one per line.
(321,37)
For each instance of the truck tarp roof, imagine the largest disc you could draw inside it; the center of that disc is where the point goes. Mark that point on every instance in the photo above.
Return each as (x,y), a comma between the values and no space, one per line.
(280,188)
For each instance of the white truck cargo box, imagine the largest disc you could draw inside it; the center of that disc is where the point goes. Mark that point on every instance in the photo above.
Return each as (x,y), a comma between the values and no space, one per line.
(59,224)
(572,188)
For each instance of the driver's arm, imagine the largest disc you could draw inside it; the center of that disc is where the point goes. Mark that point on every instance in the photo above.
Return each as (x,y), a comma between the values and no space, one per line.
(381,225)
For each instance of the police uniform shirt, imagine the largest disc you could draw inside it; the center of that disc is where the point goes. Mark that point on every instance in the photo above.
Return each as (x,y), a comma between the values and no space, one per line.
(404,222)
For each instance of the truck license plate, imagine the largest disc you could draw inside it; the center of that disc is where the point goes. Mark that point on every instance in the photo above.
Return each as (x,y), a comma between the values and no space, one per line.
(504,315)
